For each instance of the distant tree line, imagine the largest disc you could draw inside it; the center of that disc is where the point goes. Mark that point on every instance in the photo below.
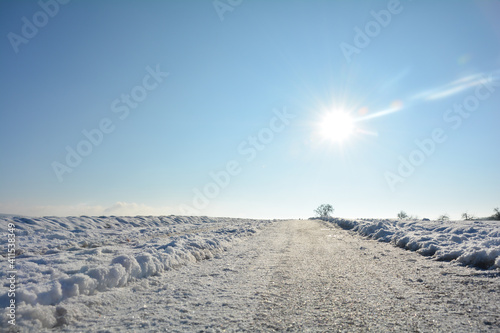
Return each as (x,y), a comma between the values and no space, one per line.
(402,215)
(324,212)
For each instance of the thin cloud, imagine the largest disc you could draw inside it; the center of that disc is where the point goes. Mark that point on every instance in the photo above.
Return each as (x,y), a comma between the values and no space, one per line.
(455,87)
(118,209)
(132,209)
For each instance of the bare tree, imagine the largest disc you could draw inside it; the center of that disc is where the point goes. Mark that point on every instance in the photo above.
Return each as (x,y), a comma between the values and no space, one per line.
(444,217)
(496,216)
(466,216)
(324,211)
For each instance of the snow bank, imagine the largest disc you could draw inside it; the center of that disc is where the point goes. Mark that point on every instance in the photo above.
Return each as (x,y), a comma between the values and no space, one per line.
(470,243)
(61,258)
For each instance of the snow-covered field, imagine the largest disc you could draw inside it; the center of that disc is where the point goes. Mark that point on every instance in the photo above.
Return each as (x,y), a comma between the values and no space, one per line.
(470,243)
(58,258)
(69,268)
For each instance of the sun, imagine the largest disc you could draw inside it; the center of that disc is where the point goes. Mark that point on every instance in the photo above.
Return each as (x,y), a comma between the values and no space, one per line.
(336,126)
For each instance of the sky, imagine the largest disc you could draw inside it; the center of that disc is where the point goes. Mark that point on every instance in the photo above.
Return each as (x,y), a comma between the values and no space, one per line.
(219,108)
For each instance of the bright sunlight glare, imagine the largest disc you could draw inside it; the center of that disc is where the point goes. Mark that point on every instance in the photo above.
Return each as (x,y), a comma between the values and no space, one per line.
(336,126)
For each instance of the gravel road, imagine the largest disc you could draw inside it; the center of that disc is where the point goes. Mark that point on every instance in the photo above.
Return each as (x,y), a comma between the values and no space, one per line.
(303,276)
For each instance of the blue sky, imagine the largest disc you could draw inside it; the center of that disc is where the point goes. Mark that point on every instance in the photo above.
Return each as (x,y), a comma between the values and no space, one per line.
(189,88)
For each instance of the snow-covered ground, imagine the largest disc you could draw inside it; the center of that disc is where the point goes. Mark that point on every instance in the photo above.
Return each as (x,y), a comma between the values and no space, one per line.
(58,258)
(470,243)
(115,273)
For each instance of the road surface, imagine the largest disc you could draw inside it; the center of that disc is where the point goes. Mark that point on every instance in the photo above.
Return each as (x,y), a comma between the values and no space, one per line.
(303,276)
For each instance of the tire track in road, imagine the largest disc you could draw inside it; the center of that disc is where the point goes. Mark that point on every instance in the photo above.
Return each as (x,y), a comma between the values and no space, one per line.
(332,280)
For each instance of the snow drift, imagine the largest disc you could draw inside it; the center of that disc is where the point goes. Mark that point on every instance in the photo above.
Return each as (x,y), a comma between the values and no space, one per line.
(470,243)
(63,257)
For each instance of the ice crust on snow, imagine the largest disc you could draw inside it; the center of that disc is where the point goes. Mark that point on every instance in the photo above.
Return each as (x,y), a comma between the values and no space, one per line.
(63,257)
(470,243)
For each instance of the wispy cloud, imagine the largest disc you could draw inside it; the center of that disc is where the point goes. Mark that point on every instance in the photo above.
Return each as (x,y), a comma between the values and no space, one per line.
(118,209)
(446,90)
(455,87)
(132,208)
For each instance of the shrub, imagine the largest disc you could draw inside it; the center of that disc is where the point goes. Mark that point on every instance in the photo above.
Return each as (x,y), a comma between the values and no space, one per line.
(466,216)
(402,215)
(496,216)
(444,217)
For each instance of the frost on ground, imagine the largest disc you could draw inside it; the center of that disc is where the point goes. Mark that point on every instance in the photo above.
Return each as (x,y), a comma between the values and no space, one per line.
(470,243)
(61,258)
(294,276)
(112,274)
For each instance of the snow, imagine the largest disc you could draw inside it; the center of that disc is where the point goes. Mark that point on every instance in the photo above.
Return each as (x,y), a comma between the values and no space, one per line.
(59,258)
(74,272)
(470,243)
